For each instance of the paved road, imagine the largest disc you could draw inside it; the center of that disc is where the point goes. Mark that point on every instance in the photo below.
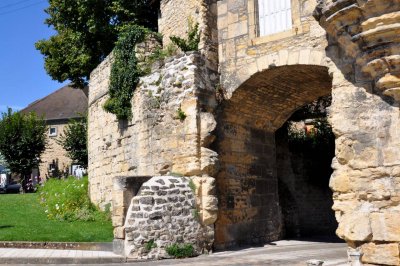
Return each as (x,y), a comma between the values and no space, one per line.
(284,253)
(293,253)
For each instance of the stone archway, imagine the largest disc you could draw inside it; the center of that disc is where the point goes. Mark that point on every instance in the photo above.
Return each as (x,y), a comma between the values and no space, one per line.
(247,184)
(363,45)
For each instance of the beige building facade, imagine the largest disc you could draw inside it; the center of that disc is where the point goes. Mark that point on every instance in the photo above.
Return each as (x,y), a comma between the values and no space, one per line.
(57,109)
(237,92)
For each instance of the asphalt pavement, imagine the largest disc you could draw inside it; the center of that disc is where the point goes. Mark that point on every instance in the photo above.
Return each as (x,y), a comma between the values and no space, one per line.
(277,253)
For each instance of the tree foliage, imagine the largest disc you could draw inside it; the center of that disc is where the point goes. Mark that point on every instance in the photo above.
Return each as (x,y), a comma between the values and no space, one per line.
(74,141)
(3,161)
(86,33)
(22,141)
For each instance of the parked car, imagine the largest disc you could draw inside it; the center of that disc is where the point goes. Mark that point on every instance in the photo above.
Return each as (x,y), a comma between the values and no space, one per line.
(13,187)
(3,178)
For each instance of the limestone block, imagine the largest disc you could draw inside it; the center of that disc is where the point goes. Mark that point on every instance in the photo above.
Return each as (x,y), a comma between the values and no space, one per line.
(222,8)
(210,203)
(293,58)
(117,198)
(340,181)
(207,125)
(344,150)
(262,62)
(382,254)
(283,57)
(355,227)
(118,211)
(208,217)
(118,220)
(304,56)
(197,181)
(386,226)
(119,232)
(273,60)
(209,162)
(208,186)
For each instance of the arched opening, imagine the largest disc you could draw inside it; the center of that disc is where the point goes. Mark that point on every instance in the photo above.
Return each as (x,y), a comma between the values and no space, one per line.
(305,147)
(248,184)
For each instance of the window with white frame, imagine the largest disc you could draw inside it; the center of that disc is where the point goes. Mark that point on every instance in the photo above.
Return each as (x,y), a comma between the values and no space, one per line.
(274,16)
(53,131)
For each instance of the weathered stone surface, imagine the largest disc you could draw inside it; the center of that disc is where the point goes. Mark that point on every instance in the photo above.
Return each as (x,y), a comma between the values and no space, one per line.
(381,254)
(264,79)
(355,226)
(386,226)
(364,62)
(206,199)
(156,141)
(242,52)
(164,219)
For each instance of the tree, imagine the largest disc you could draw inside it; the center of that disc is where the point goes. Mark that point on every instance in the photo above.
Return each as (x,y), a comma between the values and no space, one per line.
(3,161)
(22,141)
(86,33)
(74,141)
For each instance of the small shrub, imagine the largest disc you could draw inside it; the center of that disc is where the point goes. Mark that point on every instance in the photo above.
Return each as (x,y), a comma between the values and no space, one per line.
(180,250)
(68,200)
(161,54)
(192,41)
(150,245)
(181,114)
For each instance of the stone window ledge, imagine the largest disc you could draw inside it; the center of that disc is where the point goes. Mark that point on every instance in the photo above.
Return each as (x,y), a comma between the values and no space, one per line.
(296,30)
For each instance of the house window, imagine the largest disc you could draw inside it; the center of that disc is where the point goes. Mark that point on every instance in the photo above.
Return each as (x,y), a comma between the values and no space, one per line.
(274,16)
(53,131)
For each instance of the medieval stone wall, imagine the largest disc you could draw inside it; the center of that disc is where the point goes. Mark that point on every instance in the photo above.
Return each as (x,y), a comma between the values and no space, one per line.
(168,132)
(242,52)
(176,16)
(364,49)
(263,81)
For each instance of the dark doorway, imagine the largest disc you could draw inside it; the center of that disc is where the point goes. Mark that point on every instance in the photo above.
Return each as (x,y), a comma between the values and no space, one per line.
(305,147)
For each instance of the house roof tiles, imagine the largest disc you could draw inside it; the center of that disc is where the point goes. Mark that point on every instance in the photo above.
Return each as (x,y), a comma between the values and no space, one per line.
(65,103)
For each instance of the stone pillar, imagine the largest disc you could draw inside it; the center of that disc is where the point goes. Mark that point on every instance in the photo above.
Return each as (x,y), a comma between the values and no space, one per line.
(364,50)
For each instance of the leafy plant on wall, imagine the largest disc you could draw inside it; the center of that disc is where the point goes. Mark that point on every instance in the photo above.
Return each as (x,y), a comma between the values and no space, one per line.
(191,43)
(125,73)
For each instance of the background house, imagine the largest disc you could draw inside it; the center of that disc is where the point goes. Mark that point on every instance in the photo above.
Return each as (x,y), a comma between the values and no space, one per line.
(57,109)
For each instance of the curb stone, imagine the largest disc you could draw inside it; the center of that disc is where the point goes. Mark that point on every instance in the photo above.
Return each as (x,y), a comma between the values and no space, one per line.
(94,246)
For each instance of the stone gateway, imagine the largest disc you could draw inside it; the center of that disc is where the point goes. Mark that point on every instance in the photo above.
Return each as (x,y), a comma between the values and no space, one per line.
(205,159)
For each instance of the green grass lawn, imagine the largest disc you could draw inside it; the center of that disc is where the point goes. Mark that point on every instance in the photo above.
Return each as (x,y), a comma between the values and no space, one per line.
(23,219)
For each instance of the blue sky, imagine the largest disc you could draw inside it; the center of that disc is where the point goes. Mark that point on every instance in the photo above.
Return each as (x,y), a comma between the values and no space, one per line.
(22,75)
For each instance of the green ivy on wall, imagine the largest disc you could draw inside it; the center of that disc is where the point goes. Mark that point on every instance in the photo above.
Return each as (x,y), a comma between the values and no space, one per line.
(125,73)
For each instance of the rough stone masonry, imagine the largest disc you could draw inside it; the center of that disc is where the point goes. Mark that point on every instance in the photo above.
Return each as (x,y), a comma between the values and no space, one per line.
(228,147)
(365,52)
